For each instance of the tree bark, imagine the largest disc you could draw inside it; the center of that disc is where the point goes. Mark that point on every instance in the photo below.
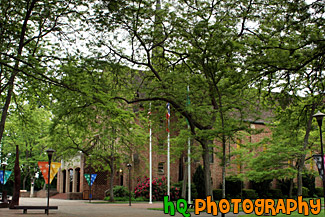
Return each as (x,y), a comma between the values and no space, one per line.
(111,183)
(15,196)
(291,188)
(207,172)
(303,156)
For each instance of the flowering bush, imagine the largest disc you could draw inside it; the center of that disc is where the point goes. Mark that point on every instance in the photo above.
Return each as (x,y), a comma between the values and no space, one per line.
(159,189)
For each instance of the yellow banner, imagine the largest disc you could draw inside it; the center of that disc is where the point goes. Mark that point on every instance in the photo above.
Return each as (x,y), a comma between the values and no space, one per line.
(44,167)
(55,166)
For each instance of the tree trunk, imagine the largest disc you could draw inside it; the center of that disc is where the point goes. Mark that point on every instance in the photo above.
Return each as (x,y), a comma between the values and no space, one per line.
(290,188)
(24,182)
(224,166)
(303,156)
(15,196)
(111,184)
(207,172)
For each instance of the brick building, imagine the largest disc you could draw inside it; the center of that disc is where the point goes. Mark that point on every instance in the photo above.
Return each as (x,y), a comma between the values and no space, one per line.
(73,185)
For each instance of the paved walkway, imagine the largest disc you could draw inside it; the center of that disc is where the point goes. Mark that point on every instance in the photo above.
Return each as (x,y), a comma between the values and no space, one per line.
(82,208)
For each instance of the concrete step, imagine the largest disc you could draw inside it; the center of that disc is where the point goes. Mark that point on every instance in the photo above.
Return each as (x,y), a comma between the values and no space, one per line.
(62,196)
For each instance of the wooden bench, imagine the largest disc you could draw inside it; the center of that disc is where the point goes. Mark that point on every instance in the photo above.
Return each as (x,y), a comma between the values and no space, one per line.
(25,208)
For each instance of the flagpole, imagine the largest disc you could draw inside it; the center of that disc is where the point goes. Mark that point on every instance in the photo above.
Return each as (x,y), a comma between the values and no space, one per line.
(168,162)
(150,157)
(188,154)
(189,170)
(168,150)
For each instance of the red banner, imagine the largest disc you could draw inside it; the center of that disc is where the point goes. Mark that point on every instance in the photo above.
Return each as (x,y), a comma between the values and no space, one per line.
(44,167)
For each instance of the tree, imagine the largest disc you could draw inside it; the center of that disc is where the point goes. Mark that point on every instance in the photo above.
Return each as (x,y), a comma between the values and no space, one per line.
(195,43)
(289,58)
(25,56)
(91,122)
(28,127)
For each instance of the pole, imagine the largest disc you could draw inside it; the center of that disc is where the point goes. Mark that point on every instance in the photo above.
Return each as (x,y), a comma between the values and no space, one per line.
(129,186)
(188,154)
(150,158)
(319,117)
(168,162)
(168,149)
(90,194)
(322,153)
(129,167)
(4,195)
(189,170)
(48,185)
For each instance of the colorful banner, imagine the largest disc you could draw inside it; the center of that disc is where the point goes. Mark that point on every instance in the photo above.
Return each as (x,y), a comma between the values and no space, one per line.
(167,116)
(44,167)
(7,175)
(318,161)
(90,178)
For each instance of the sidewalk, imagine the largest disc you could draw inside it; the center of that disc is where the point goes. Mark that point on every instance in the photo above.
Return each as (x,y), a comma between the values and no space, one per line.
(82,208)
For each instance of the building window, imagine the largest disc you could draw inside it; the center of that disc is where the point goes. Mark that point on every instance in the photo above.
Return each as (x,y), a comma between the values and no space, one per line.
(161,168)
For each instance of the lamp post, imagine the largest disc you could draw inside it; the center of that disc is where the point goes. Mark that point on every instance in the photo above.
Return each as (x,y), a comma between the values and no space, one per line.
(90,170)
(319,117)
(129,167)
(4,193)
(49,154)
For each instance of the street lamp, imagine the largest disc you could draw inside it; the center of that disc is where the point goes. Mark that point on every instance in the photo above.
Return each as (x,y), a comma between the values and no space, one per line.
(49,154)
(129,167)
(319,117)
(4,193)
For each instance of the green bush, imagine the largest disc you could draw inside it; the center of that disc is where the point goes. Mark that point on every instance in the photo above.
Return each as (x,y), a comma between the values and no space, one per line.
(319,192)
(198,179)
(120,191)
(126,199)
(262,188)
(305,191)
(249,194)
(233,186)
(275,193)
(308,181)
(284,185)
(217,194)
(179,185)
(159,189)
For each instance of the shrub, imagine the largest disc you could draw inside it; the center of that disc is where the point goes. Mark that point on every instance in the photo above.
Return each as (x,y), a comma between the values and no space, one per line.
(233,186)
(275,193)
(319,192)
(217,194)
(249,194)
(308,181)
(159,189)
(305,191)
(126,199)
(284,185)
(262,188)
(193,189)
(120,191)
(198,179)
